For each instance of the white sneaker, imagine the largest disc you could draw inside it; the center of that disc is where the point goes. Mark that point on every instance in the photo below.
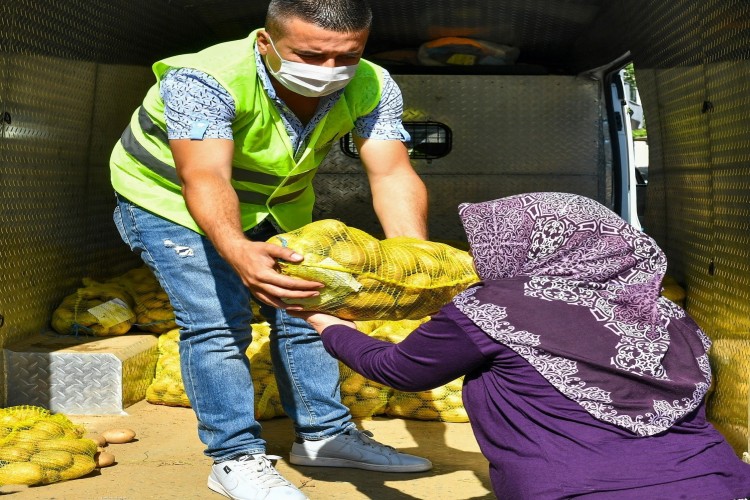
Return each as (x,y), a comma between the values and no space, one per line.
(355,449)
(252,477)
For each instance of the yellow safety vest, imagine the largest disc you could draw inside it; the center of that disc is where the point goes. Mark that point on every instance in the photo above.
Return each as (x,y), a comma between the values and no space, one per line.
(265,174)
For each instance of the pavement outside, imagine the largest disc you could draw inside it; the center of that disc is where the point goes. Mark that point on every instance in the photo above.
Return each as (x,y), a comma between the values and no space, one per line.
(166,462)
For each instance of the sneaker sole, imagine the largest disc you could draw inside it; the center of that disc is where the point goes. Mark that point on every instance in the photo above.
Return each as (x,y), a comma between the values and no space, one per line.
(214,485)
(351,464)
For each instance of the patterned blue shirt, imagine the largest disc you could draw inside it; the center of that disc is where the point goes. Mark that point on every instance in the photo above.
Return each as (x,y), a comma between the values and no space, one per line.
(192,96)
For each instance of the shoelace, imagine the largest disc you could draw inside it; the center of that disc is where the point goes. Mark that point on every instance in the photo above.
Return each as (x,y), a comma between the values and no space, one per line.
(366,437)
(262,465)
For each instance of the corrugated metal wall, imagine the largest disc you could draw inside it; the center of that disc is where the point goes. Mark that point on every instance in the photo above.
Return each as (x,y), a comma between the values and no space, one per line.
(67,89)
(511,134)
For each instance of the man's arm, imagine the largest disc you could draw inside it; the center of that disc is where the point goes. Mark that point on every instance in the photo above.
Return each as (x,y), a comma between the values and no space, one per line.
(205,168)
(399,196)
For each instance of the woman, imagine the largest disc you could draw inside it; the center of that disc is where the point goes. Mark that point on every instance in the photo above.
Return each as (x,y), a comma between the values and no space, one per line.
(580,380)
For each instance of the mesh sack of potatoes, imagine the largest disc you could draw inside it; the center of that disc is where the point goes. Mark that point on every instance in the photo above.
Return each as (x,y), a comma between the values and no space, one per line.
(99,309)
(672,290)
(443,403)
(362,396)
(367,279)
(727,403)
(267,399)
(168,388)
(38,447)
(153,310)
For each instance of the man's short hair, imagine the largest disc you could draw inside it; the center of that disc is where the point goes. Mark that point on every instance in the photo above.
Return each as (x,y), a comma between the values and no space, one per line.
(342,16)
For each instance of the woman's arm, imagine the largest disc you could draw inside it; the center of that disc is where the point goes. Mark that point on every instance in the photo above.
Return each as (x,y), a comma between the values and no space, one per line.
(434,354)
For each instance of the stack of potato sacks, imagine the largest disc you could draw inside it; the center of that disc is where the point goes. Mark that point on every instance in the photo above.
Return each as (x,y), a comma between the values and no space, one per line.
(388,286)
(132,301)
(168,388)
(153,311)
(37,447)
(443,403)
(98,309)
(364,397)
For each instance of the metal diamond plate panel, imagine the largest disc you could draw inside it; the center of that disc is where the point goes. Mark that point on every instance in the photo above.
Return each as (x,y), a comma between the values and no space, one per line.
(727,36)
(66,383)
(62,109)
(729,121)
(691,61)
(80,376)
(132,32)
(511,134)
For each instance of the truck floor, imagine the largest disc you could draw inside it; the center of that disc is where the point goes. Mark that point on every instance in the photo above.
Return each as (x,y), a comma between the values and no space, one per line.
(166,462)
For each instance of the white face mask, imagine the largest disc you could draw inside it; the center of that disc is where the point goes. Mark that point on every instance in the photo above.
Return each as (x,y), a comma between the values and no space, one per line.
(310,80)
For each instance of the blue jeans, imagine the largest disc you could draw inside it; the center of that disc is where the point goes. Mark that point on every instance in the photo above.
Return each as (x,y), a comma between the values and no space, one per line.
(212,309)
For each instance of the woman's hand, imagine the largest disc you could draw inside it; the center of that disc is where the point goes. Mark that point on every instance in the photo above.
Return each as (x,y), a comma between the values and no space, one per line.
(320,321)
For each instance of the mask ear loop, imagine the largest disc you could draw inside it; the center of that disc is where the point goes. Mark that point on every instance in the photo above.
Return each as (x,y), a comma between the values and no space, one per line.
(273,46)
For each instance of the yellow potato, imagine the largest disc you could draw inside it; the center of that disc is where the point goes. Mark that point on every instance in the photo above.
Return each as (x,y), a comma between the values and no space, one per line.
(369,392)
(425,413)
(400,256)
(314,242)
(49,428)
(50,476)
(104,459)
(82,465)
(53,459)
(15,454)
(352,385)
(392,269)
(418,281)
(26,436)
(454,415)
(434,394)
(79,446)
(165,314)
(370,300)
(118,436)
(349,255)
(370,284)
(98,439)
(428,263)
(21,473)
(404,408)
(329,227)
(366,408)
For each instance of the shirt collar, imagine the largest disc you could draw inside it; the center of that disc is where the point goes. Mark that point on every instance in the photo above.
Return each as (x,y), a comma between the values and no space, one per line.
(265,79)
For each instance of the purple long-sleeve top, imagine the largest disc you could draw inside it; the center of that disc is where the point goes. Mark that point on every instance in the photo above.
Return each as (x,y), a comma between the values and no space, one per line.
(539,444)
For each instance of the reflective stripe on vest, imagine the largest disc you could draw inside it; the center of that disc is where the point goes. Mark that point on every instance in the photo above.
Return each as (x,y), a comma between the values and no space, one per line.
(136,149)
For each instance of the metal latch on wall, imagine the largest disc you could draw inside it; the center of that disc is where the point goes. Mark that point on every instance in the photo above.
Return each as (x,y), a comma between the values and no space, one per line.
(428,141)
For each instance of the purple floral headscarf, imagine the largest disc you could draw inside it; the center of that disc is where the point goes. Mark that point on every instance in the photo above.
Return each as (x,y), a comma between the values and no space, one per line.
(575,290)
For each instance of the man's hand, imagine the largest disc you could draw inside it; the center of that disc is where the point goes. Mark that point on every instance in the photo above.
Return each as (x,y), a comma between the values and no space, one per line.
(256,263)
(320,321)
(205,171)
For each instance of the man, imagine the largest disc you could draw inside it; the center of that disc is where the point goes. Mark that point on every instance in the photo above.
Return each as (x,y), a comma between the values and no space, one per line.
(220,157)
